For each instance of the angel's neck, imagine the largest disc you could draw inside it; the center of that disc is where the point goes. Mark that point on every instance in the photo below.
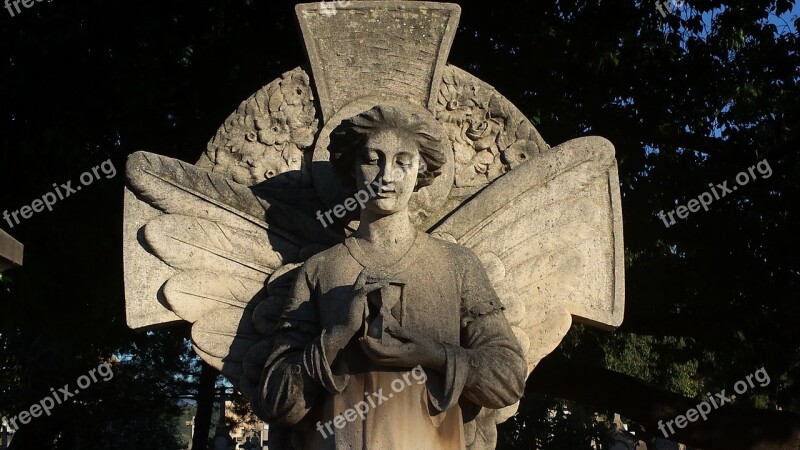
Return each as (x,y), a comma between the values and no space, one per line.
(389,232)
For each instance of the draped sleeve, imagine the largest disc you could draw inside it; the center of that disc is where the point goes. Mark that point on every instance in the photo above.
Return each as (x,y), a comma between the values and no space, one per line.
(297,370)
(488,367)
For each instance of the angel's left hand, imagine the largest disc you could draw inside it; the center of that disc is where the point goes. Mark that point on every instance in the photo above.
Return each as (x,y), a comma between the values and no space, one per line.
(418,350)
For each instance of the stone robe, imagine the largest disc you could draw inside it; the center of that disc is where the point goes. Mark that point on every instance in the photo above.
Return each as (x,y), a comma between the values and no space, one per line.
(445,294)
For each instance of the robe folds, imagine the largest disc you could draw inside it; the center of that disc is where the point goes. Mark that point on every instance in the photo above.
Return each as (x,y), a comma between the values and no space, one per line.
(444,293)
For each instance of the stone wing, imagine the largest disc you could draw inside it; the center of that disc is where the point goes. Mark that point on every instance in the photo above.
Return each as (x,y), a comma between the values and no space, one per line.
(550,236)
(206,250)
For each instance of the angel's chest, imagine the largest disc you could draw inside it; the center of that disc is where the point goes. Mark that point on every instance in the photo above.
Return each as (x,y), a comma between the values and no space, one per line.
(421,298)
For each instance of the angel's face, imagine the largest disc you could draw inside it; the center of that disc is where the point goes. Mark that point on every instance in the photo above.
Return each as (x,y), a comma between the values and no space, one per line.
(387,166)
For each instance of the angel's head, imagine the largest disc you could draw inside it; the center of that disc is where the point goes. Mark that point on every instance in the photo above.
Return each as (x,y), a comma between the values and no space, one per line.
(391,151)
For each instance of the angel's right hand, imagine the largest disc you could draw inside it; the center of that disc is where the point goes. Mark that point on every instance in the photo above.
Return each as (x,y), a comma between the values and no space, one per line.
(340,334)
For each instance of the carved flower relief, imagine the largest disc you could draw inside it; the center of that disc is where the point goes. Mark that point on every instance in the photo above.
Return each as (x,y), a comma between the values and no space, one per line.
(490,137)
(243,157)
(482,162)
(456,102)
(239,133)
(478,157)
(479,170)
(483,131)
(295,88)
(266,135)
(466,112)
(525,142)
(259,167)
(292,156)
(273,129)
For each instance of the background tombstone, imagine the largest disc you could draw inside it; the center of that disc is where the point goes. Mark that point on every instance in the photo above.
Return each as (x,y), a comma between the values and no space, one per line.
(11,252)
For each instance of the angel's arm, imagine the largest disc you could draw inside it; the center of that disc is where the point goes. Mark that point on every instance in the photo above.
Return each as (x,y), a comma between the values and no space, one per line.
(488,368)
(495,366)
(297,370)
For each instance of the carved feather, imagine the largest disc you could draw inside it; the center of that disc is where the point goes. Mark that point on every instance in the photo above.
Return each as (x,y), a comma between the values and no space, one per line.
(549,234)
(191,243)
(191,295)
(176,187)
(225,335)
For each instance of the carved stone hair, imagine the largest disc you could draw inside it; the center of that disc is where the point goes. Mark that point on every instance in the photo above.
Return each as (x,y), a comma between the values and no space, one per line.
(351,136)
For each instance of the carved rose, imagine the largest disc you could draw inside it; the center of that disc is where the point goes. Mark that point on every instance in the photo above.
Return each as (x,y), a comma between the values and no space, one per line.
(483,131)
(490,137)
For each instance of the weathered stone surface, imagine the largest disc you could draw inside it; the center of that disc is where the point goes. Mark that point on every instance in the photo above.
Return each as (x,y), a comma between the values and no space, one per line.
(144,272)
(563,207)
(10,252)
(397,49)
(264,139)
(475,226)
(407,298)
(426,204)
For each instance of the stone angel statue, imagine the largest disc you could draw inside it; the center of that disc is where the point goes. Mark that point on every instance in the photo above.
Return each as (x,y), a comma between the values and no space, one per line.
(378,255)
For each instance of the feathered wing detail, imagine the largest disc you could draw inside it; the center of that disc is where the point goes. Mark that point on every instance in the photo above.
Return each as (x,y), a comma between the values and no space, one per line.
(189,243)
(233,321)
(228,255)
(193,294)
(264,319)
(176,187)
(226,334)
(549,234)
(481,433)
(237,340)
(199,247)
